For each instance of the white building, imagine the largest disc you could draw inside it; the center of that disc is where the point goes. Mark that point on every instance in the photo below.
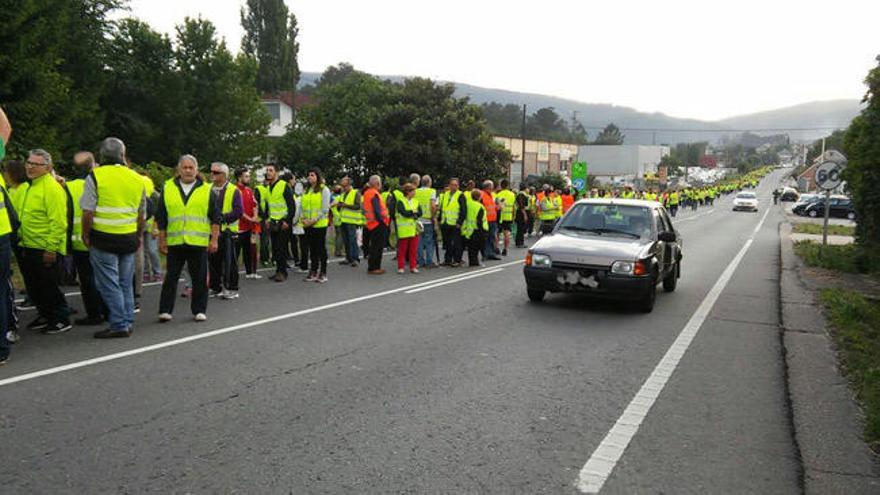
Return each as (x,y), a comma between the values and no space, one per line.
(280,108)
(622,162)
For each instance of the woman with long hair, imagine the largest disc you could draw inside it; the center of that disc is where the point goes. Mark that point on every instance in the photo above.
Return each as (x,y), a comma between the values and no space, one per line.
(315,219)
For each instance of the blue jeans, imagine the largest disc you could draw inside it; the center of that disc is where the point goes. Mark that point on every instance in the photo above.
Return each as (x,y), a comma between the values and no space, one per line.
(113,275)
(349,234)
(426,245)
(6,294)
(151,255)
(489,246)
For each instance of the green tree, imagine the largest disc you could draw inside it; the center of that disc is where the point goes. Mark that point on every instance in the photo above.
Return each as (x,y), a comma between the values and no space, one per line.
(271,39)
(862,145)
(144,94)
(52,73)
(673,164)
(610,135)
(221,110)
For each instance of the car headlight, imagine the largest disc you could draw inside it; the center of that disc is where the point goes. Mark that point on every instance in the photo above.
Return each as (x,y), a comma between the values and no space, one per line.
(622,267)
(637,268)
(540,261)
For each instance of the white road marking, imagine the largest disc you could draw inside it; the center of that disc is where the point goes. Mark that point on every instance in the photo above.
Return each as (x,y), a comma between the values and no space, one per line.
(235,328)
(460,279)
(600,465)
(694,217)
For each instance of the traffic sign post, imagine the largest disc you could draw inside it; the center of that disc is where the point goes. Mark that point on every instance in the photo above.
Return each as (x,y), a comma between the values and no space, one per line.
(579,176)
(828,177)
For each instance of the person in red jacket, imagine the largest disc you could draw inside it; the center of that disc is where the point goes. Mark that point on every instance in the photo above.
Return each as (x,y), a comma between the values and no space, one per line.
(248,224)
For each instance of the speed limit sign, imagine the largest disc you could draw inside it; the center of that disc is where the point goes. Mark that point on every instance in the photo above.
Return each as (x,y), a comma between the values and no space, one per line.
(828,175)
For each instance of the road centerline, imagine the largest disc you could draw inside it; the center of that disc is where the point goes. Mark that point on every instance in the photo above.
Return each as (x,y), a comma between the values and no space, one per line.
(598,468)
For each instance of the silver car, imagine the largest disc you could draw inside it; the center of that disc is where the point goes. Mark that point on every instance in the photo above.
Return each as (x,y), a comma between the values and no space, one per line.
(620,248)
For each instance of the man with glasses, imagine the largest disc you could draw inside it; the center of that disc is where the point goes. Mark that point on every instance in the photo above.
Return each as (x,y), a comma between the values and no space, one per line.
(223,263)
(43,240)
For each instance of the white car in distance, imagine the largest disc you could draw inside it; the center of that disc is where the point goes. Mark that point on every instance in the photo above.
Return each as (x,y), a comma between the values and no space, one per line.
(745,201)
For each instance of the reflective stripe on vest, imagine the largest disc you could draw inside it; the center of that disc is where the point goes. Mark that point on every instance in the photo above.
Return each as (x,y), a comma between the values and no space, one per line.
(470,221)
(120,191)
(188,223)
(508,199)
(228,197)
(549,208)
(75,188)
(406,227)
(311,206)
(349,216)
(451,208)
(423,197)
(277,204)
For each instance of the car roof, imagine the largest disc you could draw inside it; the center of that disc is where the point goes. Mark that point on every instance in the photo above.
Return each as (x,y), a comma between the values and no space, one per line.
(620,202)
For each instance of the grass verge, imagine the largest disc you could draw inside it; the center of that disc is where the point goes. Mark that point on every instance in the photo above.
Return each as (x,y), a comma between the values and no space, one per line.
(816,229)
(855,322)
(849,258)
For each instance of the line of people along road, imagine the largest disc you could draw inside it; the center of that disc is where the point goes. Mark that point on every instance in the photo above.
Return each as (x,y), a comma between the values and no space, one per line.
(112,222)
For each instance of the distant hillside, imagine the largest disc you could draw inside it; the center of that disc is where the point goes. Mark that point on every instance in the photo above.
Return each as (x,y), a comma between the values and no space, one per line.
(594,116)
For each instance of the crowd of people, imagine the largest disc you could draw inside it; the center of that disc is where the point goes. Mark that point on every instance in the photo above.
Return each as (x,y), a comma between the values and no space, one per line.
(107,227)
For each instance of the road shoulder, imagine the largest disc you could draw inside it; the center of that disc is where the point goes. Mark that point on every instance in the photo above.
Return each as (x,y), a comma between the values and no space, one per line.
(827,420)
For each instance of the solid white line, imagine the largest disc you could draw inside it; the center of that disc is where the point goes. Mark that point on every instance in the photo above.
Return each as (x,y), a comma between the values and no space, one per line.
(234,328)
(600,465)
(470,276)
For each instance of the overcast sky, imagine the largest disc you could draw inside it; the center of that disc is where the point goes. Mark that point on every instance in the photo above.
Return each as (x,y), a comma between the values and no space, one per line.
(701,59)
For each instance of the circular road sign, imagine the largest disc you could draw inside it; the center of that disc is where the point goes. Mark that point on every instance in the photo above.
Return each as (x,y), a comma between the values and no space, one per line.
(579,184)
(828,175)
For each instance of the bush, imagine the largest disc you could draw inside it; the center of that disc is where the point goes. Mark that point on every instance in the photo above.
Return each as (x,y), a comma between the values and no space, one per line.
(856,331)
(849,258)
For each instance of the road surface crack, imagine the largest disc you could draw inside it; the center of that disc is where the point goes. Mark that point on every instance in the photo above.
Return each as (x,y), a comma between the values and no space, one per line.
(842,473)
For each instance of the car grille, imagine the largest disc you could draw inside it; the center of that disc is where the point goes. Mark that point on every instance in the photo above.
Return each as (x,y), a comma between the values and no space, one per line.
(584,270)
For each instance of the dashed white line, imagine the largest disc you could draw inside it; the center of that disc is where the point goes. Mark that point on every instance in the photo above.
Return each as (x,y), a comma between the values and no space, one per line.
(600,465)
(235,328)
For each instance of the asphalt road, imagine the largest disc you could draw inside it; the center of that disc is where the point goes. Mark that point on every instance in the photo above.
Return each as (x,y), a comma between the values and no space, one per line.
(464,387)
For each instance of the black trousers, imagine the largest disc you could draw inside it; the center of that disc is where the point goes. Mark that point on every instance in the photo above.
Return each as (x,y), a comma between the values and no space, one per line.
(547,226)
(378,238)
(196,260)
(474,246)
(303,246)
(279,248)
(94,305)
(520,231)
(264,242)
(41,283)
(224,263)
(452,244)
(247,250)
(530,224)
(316,239)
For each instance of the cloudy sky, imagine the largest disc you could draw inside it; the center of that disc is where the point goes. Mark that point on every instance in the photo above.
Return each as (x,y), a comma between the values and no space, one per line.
(702,59)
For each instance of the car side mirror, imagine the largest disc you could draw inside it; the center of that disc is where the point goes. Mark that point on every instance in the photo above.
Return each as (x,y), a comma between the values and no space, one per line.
(666,236)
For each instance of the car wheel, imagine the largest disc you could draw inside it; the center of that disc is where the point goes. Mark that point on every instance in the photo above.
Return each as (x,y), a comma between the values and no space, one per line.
(813,213)
(647,303)
(851,215)
(536,295)
(671,280)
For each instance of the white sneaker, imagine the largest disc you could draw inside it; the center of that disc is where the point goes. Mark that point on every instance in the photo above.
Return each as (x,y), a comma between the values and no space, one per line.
(400,272)
(256,276)
(415,270)
(164,317)
(201,317)
(230,294)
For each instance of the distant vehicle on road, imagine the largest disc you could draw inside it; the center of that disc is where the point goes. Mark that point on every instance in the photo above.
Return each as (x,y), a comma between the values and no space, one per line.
(803,201)
(788,194)
(841,207)
(618,248)
(745,201)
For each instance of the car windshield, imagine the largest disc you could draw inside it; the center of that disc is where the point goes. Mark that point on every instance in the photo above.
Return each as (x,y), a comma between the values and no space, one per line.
(745,195)
(603,219)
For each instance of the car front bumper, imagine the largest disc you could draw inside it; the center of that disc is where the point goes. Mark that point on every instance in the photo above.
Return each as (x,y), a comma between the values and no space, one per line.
(586,281)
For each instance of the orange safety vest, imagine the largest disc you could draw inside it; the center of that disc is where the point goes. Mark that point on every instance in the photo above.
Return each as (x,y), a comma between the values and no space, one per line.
(369,214)
(489,203)
(567,201)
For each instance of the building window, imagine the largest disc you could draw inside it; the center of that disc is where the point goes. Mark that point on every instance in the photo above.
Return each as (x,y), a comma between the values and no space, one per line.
(274,110)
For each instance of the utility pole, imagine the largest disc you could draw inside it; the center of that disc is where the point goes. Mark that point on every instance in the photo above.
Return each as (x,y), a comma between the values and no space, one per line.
(522,173)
